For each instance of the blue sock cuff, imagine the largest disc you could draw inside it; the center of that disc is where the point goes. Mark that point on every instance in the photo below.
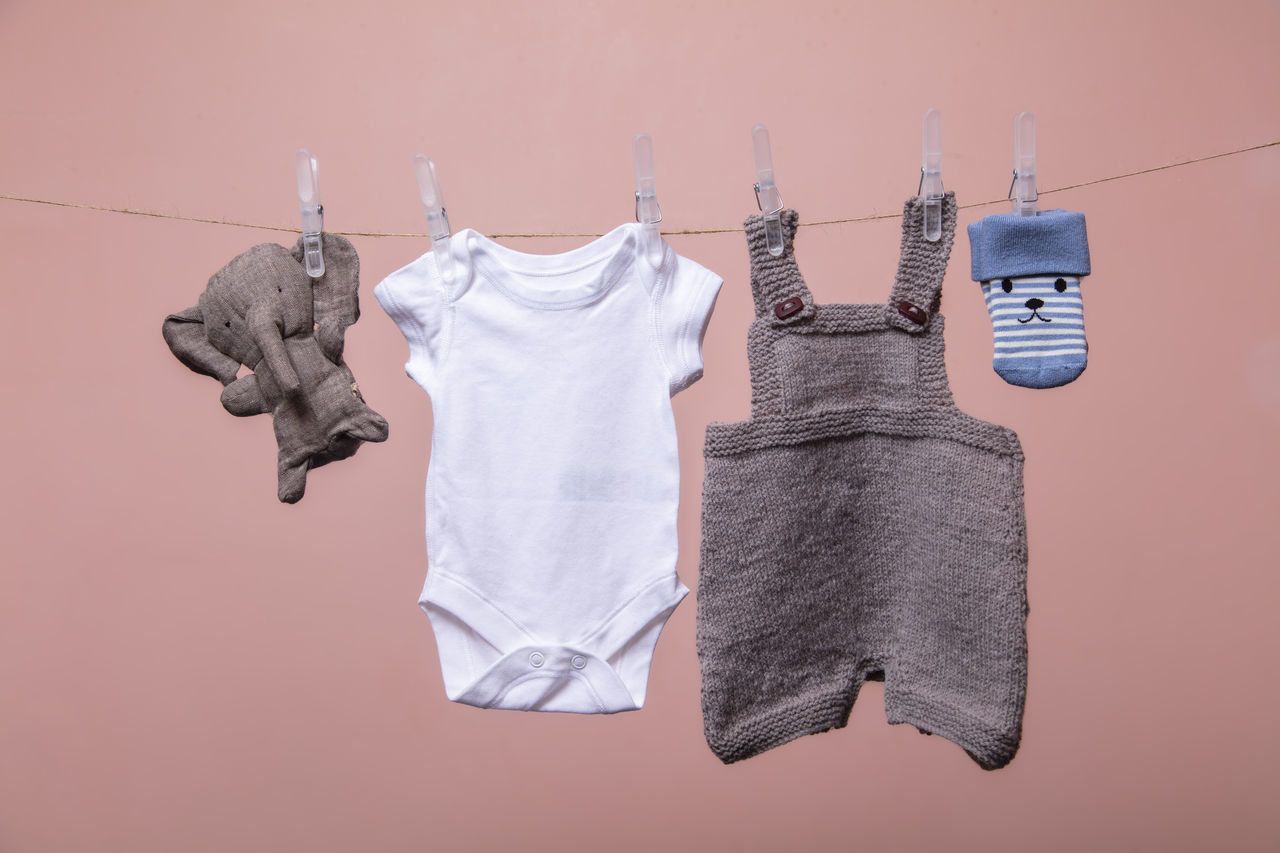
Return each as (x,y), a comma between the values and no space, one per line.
(1007,245)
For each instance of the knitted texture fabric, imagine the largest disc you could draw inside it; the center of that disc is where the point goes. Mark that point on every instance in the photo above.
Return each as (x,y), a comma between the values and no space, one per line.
(264,312)
(859,526)
(1009,245)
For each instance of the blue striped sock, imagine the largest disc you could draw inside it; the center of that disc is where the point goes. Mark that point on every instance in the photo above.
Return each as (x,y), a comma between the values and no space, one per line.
(1038,322)
(1030,268)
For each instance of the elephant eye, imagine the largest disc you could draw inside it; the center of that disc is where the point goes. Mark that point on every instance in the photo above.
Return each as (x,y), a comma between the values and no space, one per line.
(1060,285)
(1007,285)
(228,324)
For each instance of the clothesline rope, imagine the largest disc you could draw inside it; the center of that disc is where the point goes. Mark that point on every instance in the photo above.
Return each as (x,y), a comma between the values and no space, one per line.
(683,231)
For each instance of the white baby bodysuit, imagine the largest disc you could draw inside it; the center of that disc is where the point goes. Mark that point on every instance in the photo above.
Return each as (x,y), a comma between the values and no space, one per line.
(553,480)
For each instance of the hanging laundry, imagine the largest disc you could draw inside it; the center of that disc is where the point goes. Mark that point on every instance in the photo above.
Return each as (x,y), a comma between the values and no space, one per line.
(264,312)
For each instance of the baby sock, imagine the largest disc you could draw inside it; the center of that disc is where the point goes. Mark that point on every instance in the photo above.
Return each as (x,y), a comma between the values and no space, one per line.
(1030,268)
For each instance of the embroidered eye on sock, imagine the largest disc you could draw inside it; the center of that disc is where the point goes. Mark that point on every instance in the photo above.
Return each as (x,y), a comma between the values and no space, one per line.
(1030,268)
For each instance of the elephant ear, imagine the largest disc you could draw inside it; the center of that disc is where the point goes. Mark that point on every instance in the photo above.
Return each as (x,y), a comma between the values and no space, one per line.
(184,332)
(336,293)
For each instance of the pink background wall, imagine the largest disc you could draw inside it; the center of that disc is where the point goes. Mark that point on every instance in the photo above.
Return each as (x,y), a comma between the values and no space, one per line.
(186,664)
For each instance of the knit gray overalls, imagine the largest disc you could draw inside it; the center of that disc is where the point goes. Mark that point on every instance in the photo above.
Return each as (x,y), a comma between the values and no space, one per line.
(860,526)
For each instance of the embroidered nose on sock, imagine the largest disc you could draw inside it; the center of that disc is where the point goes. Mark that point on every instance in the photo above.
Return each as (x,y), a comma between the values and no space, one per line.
(1030,268)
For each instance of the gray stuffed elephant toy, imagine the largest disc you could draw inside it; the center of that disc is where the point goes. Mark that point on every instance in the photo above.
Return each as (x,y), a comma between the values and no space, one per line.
(263,311)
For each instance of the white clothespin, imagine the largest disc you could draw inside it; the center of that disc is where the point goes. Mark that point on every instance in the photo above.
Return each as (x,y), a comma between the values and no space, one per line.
(312,211)
(767,196)
(930,188)
(1023,189)
(437,217)
(648,214)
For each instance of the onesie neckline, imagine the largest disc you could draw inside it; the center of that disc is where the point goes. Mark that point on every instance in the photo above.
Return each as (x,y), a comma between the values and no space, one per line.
(521,275)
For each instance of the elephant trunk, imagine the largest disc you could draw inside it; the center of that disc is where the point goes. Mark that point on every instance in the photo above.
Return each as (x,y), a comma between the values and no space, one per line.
(265,323)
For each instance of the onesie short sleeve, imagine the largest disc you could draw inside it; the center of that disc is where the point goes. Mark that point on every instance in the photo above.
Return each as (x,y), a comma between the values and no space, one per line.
(684,305)
(413,297)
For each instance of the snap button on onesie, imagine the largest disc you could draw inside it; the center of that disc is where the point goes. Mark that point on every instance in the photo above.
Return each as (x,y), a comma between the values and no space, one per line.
(860,526)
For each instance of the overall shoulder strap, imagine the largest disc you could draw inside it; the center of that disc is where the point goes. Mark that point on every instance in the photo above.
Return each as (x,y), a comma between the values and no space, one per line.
(917,289)
(779,291)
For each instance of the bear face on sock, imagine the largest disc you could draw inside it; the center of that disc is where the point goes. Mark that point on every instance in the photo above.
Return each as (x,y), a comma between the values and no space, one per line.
(1038,323)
